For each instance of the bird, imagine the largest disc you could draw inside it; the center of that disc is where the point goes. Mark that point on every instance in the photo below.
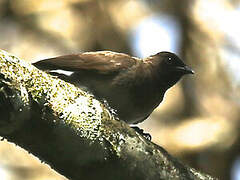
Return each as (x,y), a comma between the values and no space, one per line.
(133,87)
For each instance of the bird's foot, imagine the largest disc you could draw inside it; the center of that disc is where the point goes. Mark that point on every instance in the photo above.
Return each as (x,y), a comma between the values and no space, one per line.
(141,132)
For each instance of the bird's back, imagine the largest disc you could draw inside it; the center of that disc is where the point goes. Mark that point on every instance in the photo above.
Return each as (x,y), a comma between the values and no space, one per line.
(103,62)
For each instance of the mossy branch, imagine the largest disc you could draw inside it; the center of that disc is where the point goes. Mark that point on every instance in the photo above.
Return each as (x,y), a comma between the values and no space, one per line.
(73,132)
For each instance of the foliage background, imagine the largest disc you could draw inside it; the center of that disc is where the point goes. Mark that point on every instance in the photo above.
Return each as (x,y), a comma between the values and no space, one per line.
(198,122)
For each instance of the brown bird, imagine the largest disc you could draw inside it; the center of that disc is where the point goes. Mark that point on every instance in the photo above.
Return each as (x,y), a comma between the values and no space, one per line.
(133,87)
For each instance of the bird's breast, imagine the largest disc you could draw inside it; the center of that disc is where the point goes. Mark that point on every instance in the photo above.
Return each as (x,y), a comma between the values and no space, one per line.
(134,104)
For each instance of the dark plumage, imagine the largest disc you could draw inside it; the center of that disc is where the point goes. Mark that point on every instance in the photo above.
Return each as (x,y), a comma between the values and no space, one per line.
(133,87)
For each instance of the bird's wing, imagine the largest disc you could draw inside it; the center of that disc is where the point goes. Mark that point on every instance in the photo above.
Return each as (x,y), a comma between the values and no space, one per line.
(101,61)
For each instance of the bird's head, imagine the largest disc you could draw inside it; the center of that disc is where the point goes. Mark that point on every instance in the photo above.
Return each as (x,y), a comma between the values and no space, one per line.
(169,68)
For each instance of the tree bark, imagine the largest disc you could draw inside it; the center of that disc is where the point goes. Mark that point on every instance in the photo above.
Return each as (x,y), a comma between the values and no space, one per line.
(74,133)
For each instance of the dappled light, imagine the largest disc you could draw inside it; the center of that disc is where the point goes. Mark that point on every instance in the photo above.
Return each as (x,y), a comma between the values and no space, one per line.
(198,120)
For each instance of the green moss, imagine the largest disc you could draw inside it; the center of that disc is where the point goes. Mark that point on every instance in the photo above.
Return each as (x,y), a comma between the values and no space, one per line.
(75,107)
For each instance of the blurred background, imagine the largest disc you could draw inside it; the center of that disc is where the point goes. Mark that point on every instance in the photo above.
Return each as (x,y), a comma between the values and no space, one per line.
(199,120)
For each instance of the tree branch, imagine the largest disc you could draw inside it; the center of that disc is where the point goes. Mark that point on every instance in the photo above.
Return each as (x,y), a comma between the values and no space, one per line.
(73,132)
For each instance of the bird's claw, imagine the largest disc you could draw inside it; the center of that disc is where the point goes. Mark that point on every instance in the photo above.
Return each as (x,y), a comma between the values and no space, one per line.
(141,132)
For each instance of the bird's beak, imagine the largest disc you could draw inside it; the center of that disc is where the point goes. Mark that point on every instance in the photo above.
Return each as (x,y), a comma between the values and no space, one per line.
(185,69)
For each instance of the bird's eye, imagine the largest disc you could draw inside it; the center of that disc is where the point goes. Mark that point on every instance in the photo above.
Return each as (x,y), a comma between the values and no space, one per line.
(169,60)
